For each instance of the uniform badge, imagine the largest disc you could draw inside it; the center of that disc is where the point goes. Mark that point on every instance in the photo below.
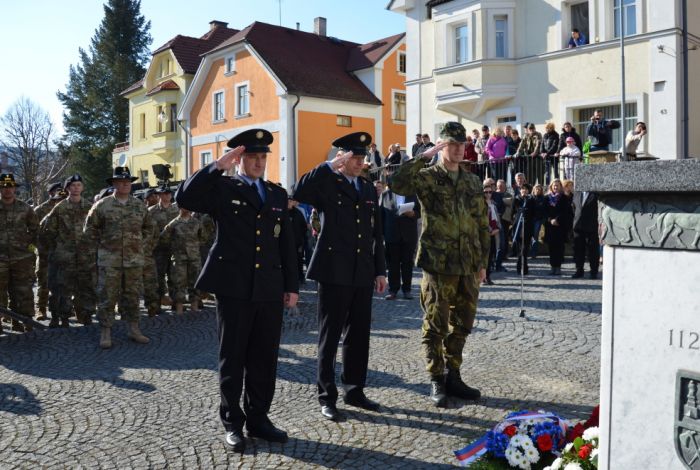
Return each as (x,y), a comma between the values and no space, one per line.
(235,201)
(277,230)
(259,134)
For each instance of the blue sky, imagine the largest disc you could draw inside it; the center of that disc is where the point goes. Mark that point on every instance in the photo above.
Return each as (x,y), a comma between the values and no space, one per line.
(40,38)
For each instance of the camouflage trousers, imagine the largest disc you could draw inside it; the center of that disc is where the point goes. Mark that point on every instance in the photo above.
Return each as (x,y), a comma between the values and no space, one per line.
(449,309)
(42,269)
(162,258)
(117,284)
(151,299)
(71,286)
(183,274)
(16,282)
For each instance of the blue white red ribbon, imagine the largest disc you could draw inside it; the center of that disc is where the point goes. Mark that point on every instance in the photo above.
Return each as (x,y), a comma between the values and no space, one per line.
(472,452)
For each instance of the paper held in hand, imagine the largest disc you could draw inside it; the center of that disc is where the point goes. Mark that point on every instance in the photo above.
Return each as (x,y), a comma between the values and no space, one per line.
(407,207)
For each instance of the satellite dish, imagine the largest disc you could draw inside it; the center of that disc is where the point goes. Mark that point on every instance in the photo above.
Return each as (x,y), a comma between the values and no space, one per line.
(122,159)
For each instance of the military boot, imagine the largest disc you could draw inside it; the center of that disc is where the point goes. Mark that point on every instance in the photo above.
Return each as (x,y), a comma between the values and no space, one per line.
(456,388)
(437,391)
(166,300)
(54,323)
(105,337)
(135,333)
(179,307)
(64,322)
(42,314)
(153,310)
(195,305)
(17,326)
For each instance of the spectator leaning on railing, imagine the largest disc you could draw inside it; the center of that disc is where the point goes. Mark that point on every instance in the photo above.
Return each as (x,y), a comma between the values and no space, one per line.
(496,149)
(549,151)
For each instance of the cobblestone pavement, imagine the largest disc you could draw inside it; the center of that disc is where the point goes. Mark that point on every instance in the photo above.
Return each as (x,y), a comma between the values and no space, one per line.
(66,403)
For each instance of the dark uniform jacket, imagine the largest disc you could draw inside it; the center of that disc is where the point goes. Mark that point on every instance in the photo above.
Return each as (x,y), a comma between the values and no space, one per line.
(585,213)
(253,256)
(399,228)
(350,249)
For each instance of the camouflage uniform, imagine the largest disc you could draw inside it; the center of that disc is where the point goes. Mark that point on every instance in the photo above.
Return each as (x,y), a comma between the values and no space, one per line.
(18,238)
(151,299)
(42,262)
(71,261)
(183,237)
(453,248)
(120,232)
(162,216)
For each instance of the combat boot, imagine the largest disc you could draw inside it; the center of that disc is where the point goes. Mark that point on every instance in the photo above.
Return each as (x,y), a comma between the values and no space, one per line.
(456,388)
(105,337)
(64,322)
(54,321)
(179,307)
(135,333)
(195,305)
(17,326)
(166,300)
(437,391)
(42,314)
(152,311)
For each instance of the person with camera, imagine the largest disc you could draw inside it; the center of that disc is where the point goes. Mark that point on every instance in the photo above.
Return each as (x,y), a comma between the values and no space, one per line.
(633,139)
(599,131)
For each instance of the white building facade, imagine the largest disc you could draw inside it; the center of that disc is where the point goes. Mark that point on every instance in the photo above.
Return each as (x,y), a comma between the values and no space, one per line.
(499,62)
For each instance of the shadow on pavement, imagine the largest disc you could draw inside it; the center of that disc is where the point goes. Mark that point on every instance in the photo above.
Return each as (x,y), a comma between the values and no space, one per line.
(17,399)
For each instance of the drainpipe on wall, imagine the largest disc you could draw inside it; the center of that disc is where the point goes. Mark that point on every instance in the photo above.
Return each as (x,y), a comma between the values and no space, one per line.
(295,168)
(685,127)
(187,148)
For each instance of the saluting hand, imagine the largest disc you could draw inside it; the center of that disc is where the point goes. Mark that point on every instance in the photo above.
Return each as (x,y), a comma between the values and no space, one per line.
(432,151)
(339,161)
(230,158)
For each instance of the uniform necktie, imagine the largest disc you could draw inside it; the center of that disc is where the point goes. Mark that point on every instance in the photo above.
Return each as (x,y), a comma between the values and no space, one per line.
(256,188)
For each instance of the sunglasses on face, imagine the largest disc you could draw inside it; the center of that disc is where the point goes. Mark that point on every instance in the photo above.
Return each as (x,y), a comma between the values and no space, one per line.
(488,192)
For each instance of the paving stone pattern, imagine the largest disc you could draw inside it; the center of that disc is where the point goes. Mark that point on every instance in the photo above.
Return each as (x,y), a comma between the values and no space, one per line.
(64,403)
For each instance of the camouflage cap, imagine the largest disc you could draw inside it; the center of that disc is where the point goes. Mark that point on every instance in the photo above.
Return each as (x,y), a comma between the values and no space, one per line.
(453,131)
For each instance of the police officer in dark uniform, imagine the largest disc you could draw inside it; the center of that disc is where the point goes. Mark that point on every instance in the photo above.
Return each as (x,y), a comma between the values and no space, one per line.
(348,263)
(252,270)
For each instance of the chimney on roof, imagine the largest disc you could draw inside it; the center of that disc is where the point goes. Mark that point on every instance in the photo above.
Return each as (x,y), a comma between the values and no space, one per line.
(320,26)
(217,24)
(298,26)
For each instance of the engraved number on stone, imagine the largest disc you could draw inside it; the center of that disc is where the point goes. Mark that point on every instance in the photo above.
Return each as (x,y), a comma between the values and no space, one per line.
(694,338)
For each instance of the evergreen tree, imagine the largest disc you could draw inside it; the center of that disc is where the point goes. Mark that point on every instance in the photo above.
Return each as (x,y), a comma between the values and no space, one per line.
(96,117)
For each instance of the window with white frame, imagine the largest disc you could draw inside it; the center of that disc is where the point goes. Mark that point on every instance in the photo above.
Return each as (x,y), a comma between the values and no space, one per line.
(159,118)
(143,176)
(401,62)
(142,126)
(230,64)
(218,106)
(242,100)
(205,158)
(164,67)
(582,117)
(173,118)
(343,121)
(505,120)
(501,39)
(630,10)
(399,109)
(461,44)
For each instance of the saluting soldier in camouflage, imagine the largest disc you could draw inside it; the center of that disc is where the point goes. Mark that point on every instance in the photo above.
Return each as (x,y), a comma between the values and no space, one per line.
(18,239)
(183,236)
(162,213)
(72,270)
(151,299)
(42,210)
(453,253)
(119,226)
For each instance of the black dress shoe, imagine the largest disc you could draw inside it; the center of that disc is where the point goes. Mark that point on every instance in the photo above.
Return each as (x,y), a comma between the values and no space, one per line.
(266,430)
(407,296)
(577,275)
(330,412)
(235,440)
(359,400)
(594,275)
(390,296)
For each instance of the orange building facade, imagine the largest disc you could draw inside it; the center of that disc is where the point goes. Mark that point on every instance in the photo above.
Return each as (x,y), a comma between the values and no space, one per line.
(265,77)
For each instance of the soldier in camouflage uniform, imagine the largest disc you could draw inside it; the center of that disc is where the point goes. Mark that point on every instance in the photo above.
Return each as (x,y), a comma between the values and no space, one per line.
(151,299)
(453,253)
(162,213)
(18,238)
(42,264)
(183,236)
(72,271)
(208,235)
(119,226)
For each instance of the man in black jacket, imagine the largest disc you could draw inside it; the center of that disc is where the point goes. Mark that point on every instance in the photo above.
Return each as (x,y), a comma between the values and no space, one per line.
(252,269)
(401,238)
(348,263)
(586,233)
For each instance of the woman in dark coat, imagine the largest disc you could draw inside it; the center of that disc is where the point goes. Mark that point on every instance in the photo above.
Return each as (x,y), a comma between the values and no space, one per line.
(569,131)
(556,225)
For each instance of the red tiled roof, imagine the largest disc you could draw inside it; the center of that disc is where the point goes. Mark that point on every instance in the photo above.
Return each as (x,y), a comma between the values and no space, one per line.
(132,87)
(367,55)
(166,85)
(306,63)
(188,50)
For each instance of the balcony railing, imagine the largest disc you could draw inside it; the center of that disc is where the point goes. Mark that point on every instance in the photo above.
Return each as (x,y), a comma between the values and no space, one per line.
(121,147)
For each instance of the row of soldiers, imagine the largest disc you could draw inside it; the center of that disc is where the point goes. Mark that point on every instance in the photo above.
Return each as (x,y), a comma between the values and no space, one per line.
(90,257)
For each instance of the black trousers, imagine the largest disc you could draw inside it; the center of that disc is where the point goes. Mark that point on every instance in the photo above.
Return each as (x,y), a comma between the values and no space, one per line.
(586,244)
(249,338)
(556,237)
(346,311)
(400,261)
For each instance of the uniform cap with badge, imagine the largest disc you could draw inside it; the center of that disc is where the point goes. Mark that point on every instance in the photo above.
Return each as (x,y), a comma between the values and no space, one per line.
(72,179)
(121,173)
(453,131)
(60,194)
(7,180)
(51,187)
(357,143)
(163,189)
(254,141)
